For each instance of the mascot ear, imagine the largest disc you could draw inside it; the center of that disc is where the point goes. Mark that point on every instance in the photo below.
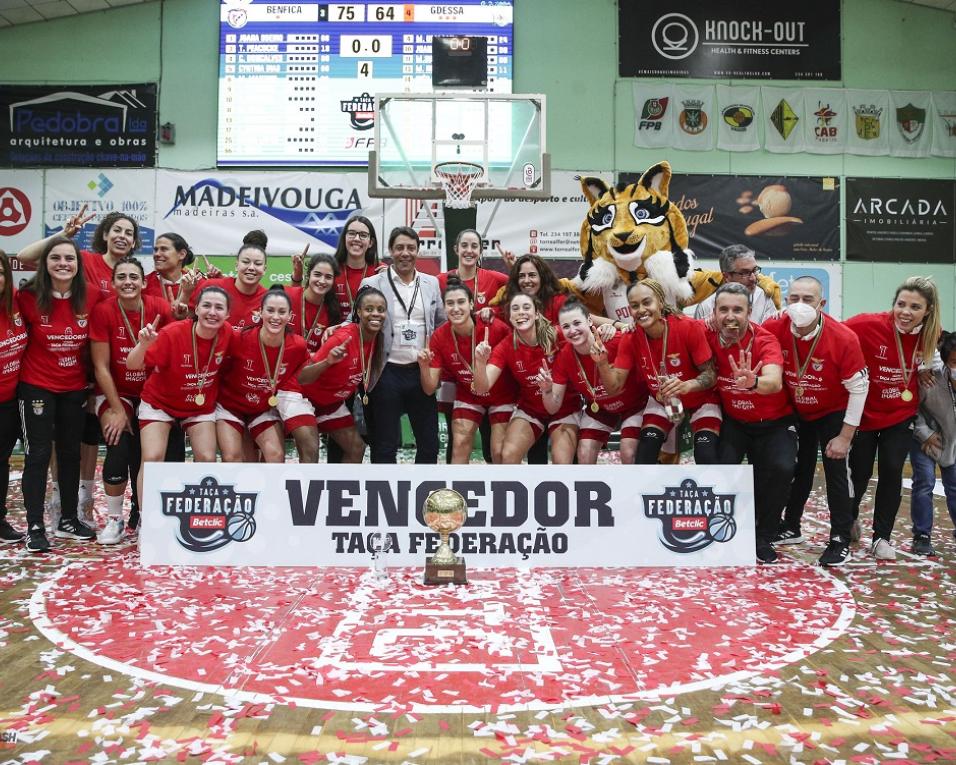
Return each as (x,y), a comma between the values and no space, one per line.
(593,188)
(657,178)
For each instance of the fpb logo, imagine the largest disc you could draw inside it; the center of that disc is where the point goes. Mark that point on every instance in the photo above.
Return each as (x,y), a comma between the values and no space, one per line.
(692,517)
(211,515)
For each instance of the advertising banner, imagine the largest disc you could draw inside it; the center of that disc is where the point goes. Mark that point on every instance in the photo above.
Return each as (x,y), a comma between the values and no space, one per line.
(748,39)
(213,210)
(519,515)
(78,125)
(780,218)
(21,209)
(131,192)
(895,220)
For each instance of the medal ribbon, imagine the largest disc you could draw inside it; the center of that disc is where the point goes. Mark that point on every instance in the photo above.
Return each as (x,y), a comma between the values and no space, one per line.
(899,350)
(454,339)
(801,367)
(129,328)
(366,370)
(271,374)
(201,378)
(315,321)
(584,376)
(348,288)
(662,367)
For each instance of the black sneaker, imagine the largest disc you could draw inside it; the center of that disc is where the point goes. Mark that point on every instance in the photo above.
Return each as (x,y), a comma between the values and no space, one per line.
(836,554)
(788,537)
(37,541)
(766,553)
(73,528)
(133,522)
(922,545)
(8,534)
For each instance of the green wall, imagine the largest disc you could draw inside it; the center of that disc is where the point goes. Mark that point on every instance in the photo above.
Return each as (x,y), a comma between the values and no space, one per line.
(566,49)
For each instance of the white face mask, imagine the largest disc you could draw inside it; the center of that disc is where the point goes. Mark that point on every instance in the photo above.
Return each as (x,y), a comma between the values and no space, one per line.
(801,314)
(952,373)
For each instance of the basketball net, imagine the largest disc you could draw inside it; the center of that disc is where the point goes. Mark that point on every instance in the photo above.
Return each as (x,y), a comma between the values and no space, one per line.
(458,180)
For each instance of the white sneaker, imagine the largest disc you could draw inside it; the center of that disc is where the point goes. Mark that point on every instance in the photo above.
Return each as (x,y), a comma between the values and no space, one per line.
(112,534)
(882,550)
(53,508)
(85,513)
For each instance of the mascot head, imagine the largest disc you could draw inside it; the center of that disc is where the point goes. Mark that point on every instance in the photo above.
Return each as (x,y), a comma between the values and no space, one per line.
(632,231)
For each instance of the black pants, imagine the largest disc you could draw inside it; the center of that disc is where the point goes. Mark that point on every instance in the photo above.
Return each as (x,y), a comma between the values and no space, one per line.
(44,413)
(890,446)
(9,433)
(397,392)
(771,448)
(814,436)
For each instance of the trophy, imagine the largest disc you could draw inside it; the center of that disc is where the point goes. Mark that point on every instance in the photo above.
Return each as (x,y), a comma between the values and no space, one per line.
(379,545)
(445,511)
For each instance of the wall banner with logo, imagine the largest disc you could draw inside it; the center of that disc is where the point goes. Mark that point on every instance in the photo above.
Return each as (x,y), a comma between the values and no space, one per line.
(78,125)
(213,209)
(21,209)
(130,192)
(747,39)
(895,220)
(788,218)
(519,515)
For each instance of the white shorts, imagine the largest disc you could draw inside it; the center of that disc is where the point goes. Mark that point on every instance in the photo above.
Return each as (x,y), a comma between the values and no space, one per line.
(293,404)
(254,424)
(147,414)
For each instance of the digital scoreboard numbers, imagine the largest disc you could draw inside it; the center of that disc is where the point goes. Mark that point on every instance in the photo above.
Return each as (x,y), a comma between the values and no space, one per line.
(297,81)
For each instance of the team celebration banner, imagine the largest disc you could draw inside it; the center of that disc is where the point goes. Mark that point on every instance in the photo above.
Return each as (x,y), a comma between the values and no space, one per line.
(896,220)
(519,515)
(78,125)
(748,39)
(898,123)
(780,218)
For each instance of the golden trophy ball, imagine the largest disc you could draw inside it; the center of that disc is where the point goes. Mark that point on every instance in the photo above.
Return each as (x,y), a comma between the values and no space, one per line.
(445,511)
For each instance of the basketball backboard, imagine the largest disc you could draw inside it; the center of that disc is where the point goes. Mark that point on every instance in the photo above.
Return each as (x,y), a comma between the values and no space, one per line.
(502,134)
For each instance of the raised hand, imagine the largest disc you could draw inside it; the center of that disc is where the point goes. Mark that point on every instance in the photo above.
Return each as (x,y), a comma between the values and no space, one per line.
(507,256)
(76,222)
(425,357)
(298,261)
(606,331)
(339,352)
(745,375)
(483,350)
(148,334)
(598,350)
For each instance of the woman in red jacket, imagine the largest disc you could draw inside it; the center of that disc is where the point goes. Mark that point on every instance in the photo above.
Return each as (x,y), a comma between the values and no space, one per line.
(56,306)
(894,345)
(114,329)
(182,365)
(13,342)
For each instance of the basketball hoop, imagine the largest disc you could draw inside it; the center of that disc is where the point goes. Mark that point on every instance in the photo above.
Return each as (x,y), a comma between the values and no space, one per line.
(458,180)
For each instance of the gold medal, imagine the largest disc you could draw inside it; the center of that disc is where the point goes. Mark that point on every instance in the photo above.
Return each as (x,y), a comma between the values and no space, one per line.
(273,400)
(272,375)
(200,399)
(364,399)
(201,377)
(907,395)
(594,406)
(798,391)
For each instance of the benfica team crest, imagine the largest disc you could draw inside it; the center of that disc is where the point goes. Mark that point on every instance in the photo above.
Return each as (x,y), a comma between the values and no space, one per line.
(911,120)
(211,515)
(692,517)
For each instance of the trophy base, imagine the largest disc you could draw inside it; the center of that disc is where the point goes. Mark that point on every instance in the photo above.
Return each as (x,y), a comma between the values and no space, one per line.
(445,573)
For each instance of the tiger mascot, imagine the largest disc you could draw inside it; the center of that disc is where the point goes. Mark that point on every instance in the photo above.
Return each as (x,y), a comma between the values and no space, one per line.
(633,231)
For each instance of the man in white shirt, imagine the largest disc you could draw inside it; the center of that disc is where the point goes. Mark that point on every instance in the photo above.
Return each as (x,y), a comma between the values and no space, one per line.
(738,263)
(414,311)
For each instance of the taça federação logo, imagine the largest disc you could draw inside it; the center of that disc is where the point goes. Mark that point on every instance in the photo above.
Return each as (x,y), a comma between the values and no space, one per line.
(692,517)
(211,515)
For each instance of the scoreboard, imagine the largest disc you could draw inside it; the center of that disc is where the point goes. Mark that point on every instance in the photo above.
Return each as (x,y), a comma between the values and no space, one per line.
(297,80)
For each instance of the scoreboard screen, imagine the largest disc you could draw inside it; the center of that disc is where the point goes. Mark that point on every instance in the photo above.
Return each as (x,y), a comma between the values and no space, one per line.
(297,80)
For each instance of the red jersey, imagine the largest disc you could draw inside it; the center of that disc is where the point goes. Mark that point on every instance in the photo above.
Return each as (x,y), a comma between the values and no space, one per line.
(483,287)
(98,273)
(835,357)
(455,356)
(339,381)
(347,285)
(246,387)
(748,405)
(156,286)
(57,352)
(315,321)
(687,350)
(523,363)
(884,404)
(13,342)
(582,376)
(172,381)
(243,309)
(107,326)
